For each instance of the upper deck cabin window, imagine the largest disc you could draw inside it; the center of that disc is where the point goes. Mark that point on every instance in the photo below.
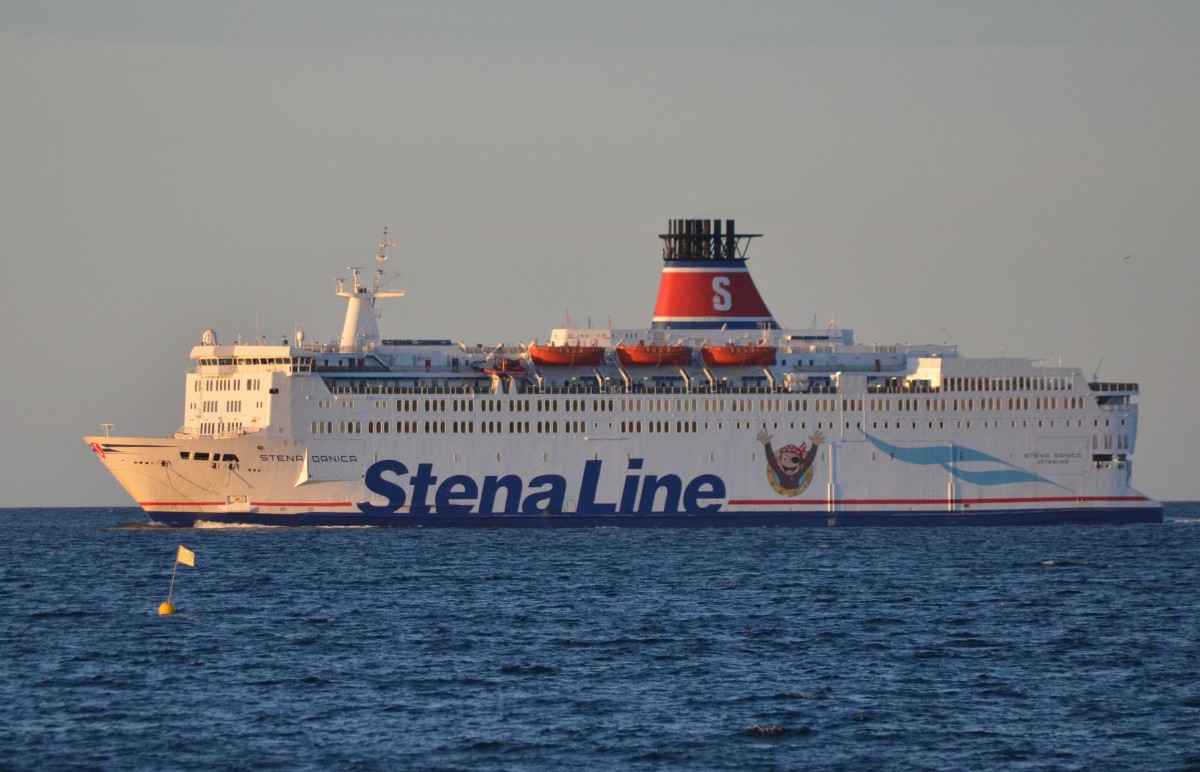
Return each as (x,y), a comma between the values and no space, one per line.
(1009,383)
(294,364)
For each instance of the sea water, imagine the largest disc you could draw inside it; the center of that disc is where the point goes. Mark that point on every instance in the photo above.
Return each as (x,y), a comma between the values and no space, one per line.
(951,648)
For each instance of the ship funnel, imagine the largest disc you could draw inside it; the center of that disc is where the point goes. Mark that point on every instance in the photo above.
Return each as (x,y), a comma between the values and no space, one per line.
(705,283)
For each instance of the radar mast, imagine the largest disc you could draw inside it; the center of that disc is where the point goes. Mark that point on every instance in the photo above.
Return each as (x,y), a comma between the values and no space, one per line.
(360,330)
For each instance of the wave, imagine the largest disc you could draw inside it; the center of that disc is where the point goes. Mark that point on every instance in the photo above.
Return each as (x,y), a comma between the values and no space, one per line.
(210,525)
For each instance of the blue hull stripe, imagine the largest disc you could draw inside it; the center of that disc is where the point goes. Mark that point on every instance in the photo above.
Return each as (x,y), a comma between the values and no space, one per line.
(716,324)
(1108,516)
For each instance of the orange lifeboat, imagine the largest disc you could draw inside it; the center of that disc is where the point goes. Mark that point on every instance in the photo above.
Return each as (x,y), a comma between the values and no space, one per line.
(654,355)
(738,356)
(567,356)
(504,366)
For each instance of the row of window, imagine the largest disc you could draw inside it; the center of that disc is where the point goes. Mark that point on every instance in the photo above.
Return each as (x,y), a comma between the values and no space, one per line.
(1010,383)
(652,427)
(213,406)
(486,405)
(205,456)
(735,405)
(661,427)
(647,427)
(454,427)
(969,404)
(961,424)
(304,363)
(219,427)
(226,384)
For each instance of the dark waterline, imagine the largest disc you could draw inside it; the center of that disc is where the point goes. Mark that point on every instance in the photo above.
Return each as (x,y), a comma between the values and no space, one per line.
(1062,647)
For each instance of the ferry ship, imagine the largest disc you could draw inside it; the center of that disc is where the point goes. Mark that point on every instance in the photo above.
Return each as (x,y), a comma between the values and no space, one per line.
(713,414)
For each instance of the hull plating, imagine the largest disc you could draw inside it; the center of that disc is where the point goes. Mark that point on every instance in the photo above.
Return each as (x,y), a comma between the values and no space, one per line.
(1107,516)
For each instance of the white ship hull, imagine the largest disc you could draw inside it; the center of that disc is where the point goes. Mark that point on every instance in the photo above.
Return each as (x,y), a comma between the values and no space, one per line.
(830,433)
(674,466)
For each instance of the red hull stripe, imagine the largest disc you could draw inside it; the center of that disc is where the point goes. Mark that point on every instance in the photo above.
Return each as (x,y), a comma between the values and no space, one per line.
(931,502)
(252,503)
(735,502)
(181,503)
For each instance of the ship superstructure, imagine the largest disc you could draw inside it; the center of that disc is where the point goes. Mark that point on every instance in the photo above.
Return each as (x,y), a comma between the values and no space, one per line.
(712,414)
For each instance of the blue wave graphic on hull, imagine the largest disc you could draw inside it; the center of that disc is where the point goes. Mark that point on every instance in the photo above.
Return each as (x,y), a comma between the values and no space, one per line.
(944,456)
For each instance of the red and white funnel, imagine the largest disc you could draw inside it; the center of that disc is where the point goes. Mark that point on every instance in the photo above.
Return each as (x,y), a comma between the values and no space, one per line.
(705,283)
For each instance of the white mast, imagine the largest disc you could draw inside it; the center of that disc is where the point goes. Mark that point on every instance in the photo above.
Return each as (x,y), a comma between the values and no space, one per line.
(360,329)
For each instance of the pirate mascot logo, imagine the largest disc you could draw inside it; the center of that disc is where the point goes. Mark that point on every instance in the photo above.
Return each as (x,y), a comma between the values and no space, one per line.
(789,470)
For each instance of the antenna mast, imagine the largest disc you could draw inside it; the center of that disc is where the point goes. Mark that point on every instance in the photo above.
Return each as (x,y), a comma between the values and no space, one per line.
(360,331)
(380,259)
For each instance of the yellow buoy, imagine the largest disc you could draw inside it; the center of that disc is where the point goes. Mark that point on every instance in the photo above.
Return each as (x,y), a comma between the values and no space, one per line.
(188,558)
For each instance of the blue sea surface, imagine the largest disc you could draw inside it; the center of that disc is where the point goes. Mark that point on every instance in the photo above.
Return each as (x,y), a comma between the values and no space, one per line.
(941,648)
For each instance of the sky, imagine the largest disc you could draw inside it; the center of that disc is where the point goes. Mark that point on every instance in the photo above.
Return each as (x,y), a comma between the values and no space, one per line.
(1017,178)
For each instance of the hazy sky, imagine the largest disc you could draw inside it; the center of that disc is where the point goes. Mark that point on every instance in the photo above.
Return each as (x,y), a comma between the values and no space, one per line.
(971,172)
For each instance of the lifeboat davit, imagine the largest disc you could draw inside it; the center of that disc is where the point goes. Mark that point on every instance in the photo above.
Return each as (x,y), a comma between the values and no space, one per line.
(567,356)
(738,356)
(654,355)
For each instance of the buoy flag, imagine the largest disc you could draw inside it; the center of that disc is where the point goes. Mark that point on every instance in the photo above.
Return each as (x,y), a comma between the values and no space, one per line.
(185,556)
